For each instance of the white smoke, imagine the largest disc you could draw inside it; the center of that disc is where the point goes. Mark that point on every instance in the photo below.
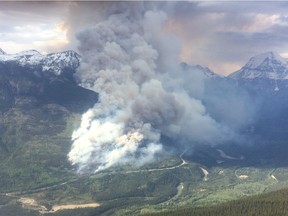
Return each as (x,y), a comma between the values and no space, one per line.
(132,64)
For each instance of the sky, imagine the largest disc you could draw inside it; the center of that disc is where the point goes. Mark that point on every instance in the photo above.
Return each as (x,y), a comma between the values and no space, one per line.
(219,35)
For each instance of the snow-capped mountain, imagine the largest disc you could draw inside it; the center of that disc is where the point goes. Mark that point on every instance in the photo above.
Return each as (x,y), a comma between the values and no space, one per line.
(55,63)
(268,65)
(30,78)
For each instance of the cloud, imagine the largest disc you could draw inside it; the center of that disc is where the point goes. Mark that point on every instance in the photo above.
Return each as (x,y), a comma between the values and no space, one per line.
(223,35)
(199,26)
(32,25)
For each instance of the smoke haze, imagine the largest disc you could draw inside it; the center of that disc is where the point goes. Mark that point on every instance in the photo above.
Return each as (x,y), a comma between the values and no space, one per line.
(144,92)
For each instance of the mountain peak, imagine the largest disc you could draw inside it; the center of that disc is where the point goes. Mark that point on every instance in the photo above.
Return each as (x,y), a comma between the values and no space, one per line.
(269,57)
(29,53)
(266,65)
(207,72)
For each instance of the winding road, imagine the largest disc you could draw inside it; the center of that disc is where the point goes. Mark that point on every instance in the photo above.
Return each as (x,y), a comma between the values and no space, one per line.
(31,203)
(183,162)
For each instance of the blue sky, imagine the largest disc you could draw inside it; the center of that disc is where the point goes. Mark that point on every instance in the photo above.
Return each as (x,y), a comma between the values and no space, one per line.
(220,35)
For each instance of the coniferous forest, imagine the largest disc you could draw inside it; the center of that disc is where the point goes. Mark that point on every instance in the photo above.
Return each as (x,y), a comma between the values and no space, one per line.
(268,204)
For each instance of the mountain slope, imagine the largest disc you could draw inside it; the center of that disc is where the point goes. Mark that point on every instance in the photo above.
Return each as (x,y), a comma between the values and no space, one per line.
(207,72)
(269,204)
(45,78)
(37,106)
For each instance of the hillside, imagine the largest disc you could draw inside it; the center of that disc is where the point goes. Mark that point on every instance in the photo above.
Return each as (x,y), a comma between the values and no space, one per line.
(268,204)
(40,109)
(38,112)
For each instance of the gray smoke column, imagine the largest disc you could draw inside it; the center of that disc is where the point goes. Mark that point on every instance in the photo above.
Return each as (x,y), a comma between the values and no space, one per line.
(132,63)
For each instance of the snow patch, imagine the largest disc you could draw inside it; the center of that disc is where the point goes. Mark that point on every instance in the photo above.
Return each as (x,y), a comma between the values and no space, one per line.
(2,52)
(274,178)
(243,177)
(224,155)
(205,172)
(258,60)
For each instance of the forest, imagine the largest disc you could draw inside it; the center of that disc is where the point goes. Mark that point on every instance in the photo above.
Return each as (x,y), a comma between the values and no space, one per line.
(268,204)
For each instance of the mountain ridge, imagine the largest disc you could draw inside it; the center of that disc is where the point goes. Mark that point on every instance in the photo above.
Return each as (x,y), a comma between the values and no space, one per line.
(45,78)
(207,72)
(56,63)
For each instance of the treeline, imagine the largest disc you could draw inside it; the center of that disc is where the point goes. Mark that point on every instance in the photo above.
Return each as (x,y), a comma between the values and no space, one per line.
(269,204)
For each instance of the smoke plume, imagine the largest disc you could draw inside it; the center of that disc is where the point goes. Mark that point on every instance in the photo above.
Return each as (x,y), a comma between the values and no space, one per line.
(144,93)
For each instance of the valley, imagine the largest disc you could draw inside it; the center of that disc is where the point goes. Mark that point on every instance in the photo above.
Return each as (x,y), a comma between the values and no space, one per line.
(150,190)
(149,108)
(37,178)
